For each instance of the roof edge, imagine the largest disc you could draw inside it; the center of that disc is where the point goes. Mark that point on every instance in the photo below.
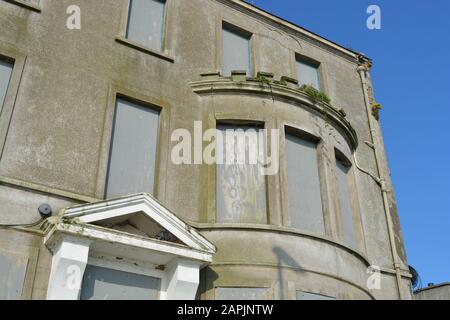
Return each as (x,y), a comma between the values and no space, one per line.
(124,202)
(295,27)
(440,285)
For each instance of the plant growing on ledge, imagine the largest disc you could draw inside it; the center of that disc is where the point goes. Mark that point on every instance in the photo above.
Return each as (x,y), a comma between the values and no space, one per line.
(263,79)
(315,95)
(376,107)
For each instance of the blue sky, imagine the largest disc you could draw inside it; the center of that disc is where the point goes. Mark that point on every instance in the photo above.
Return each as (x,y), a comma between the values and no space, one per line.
(411,78)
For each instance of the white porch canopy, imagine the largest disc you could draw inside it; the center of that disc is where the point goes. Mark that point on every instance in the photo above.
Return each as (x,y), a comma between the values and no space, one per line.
(134,234)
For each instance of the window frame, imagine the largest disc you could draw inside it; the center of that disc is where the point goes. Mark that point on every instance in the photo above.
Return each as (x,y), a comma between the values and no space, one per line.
(11,63)
(233,27)
(165,53)
(108,262)
(142,105)
(313,63)
(18,60)
(162,149)
(320,144)
(249,123)
(209,215)
(340,156)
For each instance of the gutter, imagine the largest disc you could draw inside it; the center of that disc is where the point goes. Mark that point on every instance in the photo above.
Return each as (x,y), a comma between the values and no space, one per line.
(363,69)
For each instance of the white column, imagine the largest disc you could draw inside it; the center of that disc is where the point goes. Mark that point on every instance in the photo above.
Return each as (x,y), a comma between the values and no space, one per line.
(69,261)
(183,277)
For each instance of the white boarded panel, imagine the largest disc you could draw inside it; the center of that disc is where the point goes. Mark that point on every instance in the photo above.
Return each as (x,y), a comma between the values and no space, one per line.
(108,284)
(235,51)
(133,150)
(305,201)
(146,23)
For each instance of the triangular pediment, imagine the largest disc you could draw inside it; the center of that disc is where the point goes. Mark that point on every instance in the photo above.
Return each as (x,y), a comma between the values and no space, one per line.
(140,224)
(140,215)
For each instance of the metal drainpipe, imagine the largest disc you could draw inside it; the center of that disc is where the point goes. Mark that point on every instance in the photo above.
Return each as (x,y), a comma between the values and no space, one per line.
(362,69)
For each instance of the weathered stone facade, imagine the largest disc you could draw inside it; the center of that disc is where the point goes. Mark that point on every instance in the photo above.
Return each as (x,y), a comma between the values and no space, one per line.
(56,123)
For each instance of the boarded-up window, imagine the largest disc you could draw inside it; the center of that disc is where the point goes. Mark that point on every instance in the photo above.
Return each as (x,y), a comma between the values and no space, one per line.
(305,201)
(5,77)
(348,226)
(146,23)
(308,73)
(108,284)
(12,275)
(240,186)
(312,296)
(133,149)
(236,51)
(243,294)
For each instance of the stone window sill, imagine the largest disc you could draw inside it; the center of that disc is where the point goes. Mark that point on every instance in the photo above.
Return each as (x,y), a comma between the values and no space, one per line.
(26,4)
(137,46)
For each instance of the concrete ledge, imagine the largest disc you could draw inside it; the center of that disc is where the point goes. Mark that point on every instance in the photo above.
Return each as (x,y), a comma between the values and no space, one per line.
(137,46)
(286,90)
(280,229)
(263,74)
(290,82)
(47,190)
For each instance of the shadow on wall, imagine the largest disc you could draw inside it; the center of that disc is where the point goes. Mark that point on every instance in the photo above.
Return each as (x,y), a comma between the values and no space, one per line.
(207,279)
(284,260)
(209,276)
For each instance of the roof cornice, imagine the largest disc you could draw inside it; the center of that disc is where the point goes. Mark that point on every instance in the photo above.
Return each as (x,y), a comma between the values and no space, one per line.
(142,202)
(295,28)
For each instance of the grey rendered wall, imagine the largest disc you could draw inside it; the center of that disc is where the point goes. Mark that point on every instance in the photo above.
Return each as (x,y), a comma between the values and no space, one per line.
(12,276)
(311,296)
(58,137)
(440,292)
(243,293)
